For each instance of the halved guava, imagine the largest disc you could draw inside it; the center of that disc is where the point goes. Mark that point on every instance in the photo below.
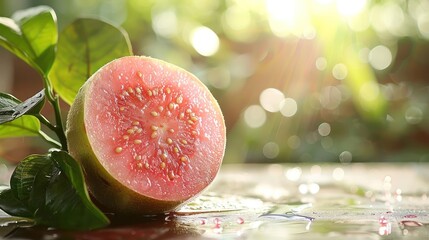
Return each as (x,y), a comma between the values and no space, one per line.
(149,135)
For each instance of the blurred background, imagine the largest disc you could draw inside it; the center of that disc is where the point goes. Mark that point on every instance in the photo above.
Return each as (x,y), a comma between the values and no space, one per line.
(297,80)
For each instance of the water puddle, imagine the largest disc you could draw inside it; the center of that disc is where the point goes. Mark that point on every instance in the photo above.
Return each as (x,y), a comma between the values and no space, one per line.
(286,205)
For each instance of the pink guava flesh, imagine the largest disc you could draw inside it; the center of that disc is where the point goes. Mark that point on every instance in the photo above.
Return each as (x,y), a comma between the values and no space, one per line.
(154,127)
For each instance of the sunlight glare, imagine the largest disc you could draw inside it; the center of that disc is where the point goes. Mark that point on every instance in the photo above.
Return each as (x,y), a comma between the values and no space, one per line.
(205,41)
(350,8)
(289,17)
(324,2)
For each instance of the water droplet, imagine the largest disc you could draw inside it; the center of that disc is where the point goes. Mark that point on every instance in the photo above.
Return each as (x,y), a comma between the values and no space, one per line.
(411,223)
(382,220)
(217,222)
(288,215)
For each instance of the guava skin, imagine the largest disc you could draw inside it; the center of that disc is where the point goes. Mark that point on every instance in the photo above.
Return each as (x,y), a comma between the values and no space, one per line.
(111,194)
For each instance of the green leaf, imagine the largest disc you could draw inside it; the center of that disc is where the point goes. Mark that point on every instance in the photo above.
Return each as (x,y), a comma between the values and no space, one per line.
(25,126)
(83,47)
(67,201)
(50,189)
(11,108)
(30,178)
(13,206)
(31,35)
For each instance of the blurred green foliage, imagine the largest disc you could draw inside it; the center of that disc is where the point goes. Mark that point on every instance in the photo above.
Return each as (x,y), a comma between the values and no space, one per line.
(298,81)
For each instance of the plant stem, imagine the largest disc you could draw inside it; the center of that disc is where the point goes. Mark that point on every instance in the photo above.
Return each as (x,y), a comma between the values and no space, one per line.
(54,101)
(45,121)
(49,139)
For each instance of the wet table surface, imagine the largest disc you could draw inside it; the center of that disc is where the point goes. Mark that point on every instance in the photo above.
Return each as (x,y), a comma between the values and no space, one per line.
(289,201)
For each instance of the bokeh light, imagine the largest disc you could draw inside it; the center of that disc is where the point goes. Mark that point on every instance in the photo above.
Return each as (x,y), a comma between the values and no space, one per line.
(414,115)
(297,80)
(346,157)
(324,129)
(339,71)
(271,150)
(288,107)
(321,63)
(165,23)
(338,174)
(293,174)
(255,116)
(380,57)
(205,41)
(271,99)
